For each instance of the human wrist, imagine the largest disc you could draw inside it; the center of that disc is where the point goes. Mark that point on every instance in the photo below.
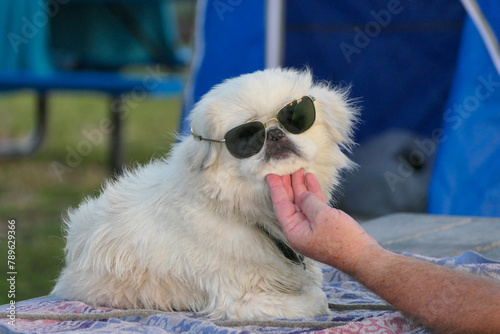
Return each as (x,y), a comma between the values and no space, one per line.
(368,258)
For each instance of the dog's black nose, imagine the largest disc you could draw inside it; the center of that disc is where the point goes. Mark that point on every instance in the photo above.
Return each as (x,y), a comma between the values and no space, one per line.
(275,134)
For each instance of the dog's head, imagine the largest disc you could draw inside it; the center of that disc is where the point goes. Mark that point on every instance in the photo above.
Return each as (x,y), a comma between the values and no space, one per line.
(259,96)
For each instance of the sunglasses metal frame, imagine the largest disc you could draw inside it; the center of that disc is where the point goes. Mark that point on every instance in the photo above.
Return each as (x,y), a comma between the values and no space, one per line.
(200,138)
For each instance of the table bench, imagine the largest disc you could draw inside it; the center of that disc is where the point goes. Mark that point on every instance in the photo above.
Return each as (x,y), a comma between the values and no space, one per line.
(436,235)
(118,86)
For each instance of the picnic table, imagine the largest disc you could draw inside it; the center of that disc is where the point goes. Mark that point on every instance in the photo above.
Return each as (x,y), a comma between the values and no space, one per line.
(86,45)
(468,244)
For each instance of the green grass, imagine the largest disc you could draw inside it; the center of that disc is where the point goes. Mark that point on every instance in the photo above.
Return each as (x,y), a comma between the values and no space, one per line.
(32,193)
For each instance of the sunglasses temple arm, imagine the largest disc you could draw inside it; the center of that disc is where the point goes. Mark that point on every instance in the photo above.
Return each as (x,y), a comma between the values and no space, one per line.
(200,138)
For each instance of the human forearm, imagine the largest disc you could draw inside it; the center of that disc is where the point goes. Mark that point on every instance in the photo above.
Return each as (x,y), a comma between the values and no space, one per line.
(442,299)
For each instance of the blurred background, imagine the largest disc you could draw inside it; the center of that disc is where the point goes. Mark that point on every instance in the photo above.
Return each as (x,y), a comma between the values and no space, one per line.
(89,87)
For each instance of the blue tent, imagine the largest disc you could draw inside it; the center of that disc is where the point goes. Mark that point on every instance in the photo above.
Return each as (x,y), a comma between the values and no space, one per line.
(466,177)
(402,58)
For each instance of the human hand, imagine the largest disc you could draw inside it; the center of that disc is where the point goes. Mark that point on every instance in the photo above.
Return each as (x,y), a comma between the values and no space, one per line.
(313,228)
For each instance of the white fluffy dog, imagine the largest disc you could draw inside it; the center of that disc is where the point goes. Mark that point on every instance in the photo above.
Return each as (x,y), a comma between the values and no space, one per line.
(196,231)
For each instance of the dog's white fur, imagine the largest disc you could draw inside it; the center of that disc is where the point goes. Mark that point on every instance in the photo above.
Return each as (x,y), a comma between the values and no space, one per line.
(180,233)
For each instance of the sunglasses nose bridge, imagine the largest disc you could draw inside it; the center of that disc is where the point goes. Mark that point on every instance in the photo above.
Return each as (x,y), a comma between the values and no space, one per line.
(270,120)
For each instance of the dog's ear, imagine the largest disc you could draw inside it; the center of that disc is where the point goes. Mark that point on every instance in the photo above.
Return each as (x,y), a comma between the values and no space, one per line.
(201,153)
(339,113)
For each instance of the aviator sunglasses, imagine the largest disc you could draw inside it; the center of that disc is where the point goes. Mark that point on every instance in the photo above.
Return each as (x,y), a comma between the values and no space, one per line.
(248,138)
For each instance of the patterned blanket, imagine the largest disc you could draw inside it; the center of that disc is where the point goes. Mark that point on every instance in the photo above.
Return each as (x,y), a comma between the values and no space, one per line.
(355,310)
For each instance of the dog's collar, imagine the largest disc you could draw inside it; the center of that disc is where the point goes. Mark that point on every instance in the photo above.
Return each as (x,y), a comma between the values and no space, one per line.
(286,250)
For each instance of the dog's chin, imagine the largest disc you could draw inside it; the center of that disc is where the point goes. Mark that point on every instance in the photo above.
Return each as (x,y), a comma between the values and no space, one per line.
(282,158)
(280,150)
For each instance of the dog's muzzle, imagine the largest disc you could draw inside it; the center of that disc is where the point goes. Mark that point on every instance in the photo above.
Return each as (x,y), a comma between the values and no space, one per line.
(278,146)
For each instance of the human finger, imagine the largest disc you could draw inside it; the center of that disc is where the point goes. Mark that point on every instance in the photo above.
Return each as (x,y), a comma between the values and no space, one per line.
(279,194)
(312,206)
(286,211)
(298,185)
(287,183)
(314,187)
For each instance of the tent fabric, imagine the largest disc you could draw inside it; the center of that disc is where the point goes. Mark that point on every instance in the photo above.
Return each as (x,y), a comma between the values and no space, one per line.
(229,41)
(466,180)
(485,17)
(399,56)
(113,34)
(46,36)
(397,53)
(25,41)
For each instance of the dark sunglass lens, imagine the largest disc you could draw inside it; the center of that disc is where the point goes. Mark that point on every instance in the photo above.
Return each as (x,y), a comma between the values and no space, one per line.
(298,116)
(246,140)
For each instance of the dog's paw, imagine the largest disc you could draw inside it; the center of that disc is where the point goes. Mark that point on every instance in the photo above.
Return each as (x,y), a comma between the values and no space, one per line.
(310,303)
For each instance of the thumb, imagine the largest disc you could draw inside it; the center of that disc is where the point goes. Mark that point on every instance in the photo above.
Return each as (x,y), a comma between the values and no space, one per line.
(311,205)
